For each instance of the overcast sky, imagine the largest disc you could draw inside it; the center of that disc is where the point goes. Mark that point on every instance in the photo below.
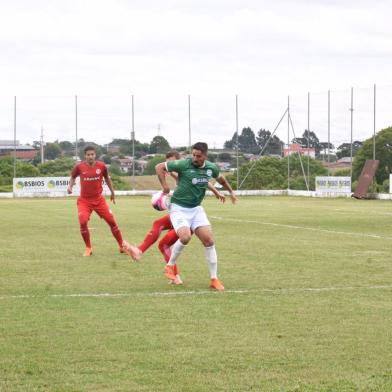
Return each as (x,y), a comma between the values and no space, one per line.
(161,51)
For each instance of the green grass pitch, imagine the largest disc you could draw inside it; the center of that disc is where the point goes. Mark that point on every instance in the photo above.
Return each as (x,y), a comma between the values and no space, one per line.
(307,308)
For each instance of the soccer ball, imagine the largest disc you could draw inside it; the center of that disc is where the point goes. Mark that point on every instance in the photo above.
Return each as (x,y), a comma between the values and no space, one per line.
(160,201)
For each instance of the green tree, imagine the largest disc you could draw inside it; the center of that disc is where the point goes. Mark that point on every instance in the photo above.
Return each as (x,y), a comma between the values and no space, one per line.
(297,180)
(141,149)
(126,147)
(344,150)
(269,145)
(313,141)
(325,145)
(225,157)
(271,173)
(232,143)
(118,183)
(66,146)
(301,141)
(114,169)
(246,142)
(58,167)
(211,157)
(82,144)
(52,151)
(150,168)
(23,169)
(36,144)
(107,159)
(383,154)
(37,159)
(159,145)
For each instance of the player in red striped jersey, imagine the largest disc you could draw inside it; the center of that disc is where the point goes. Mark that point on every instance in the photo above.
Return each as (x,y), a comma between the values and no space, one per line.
(92,173)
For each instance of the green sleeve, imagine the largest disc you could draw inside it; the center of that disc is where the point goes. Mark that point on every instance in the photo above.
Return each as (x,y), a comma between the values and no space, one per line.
(215,171)
(176,166)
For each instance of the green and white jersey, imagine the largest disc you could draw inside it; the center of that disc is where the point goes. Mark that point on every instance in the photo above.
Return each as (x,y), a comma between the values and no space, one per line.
(192,181)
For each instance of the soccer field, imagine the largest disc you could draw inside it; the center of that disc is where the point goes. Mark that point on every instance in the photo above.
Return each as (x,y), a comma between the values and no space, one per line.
(307,305)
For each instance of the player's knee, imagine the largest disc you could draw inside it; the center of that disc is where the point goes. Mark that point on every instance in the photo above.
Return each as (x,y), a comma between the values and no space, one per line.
(111,222)
(83,220)
(209,241)
(185,237)
(161,246)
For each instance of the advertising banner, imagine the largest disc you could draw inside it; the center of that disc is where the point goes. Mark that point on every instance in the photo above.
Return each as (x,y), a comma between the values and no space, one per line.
(333,184)
(390,182)
(47,186)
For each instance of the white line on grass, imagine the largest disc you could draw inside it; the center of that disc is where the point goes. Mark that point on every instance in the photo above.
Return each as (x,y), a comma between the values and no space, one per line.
(302,227)
(198,292)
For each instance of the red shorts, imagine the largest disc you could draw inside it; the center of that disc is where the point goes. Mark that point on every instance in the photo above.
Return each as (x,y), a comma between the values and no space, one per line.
(87,206)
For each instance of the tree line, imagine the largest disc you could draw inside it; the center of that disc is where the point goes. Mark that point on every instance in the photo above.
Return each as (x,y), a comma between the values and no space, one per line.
(271,172)
(265,143)
(57,149)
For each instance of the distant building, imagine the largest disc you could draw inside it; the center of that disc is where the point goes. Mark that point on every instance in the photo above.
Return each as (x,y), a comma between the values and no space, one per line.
(224,166)
(113,149)
(345,161)
(297,149)
(125,164)
(11,148)
(141,165)
(342,163)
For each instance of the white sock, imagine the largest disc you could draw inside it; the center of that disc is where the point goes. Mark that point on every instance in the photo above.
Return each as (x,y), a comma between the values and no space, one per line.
(212,260)
(175,252)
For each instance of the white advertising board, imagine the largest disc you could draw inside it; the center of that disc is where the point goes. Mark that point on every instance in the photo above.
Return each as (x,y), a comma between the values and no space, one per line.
(390,182)
(333,184)
(47,186)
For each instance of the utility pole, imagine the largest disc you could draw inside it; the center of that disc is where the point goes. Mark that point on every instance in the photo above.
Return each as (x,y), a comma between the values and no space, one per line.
(189,124)
(133,144)
(351,132)
(236,141)
(14,136)
(76,128)
(42,144)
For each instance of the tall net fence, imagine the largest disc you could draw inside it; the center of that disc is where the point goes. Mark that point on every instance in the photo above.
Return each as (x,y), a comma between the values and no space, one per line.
(337,117)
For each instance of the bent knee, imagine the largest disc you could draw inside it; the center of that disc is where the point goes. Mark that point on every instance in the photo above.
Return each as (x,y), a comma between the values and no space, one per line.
(207,242)
(185,238)
(83,220)
(109,219)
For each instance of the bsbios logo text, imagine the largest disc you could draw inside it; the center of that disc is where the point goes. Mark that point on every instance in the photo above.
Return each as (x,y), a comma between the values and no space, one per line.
(26,184)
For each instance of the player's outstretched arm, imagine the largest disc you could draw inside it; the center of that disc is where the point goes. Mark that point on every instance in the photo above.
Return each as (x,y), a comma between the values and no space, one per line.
(110,186)
(219,195)
(222,180)
(71,185)
(161,171)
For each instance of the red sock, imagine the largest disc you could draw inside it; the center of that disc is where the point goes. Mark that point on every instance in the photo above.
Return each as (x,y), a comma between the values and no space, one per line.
(85,235)
(152,236)
(166,242)
(164,246)
(117,235)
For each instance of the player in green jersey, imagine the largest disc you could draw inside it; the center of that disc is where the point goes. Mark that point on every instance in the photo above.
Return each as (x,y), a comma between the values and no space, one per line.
(186,213)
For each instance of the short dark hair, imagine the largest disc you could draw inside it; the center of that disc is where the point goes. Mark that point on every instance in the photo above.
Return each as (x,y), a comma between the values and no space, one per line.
(174,154)
(89,148)
(200,146)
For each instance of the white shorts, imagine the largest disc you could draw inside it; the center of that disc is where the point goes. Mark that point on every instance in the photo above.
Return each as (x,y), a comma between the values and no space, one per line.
(188,217)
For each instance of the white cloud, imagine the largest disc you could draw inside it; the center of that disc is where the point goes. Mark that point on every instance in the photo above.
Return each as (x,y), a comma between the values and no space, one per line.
(104,51)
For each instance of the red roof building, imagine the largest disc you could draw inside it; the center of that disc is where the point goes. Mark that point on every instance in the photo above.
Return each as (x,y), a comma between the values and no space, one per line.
(11,148)
(297,149)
